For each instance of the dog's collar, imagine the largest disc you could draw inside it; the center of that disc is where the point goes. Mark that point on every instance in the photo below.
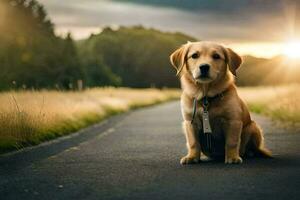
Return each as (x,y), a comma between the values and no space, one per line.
(205,101)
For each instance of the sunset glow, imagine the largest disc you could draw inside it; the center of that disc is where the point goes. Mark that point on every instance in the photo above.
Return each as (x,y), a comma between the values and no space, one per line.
(292,49)
(258,49)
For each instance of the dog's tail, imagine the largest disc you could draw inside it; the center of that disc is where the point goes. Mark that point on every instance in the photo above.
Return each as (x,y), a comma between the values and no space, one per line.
(263,153)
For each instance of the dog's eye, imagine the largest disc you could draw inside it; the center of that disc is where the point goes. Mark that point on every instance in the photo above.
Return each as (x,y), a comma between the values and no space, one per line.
(216,56)
(195,55)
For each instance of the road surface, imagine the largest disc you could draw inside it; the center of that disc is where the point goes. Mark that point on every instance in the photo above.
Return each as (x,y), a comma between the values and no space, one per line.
(136,156)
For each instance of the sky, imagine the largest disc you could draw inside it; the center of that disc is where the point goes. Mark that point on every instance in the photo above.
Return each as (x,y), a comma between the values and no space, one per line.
(260,28)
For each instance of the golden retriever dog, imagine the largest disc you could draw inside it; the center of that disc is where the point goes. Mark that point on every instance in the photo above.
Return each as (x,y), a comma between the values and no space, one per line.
(207,69)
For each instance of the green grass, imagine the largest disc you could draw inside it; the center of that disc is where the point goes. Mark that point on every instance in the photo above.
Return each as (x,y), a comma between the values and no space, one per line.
(257,108)
(278,102)
(290,118)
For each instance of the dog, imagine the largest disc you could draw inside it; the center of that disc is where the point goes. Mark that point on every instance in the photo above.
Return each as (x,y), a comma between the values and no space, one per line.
(207,69)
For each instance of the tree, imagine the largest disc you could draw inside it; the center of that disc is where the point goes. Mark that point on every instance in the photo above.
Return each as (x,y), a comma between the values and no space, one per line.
(137,55)
(31,54)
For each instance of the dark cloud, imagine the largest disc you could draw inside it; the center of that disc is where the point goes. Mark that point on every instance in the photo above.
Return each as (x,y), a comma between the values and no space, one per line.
(230,20)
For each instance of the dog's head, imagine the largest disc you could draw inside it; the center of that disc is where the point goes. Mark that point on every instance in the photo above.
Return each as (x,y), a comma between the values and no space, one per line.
(205,61)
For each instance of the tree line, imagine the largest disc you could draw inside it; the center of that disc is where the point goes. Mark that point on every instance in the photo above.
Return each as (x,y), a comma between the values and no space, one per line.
(32,56)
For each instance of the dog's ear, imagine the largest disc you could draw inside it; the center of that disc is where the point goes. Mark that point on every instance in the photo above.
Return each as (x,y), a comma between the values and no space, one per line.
(233,60)
(178,58)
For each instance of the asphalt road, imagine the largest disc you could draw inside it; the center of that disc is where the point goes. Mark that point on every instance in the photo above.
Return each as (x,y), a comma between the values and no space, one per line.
(136,156)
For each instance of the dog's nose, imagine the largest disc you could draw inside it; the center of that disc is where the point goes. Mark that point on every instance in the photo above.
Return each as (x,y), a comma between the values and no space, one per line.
(204,68)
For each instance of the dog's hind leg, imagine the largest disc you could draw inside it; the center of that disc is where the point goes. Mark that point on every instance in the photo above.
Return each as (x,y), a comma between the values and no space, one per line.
(253,140)
(245,138)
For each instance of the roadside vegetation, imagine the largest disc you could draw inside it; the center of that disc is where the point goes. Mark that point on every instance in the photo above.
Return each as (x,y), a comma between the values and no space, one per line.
(31,117)
(278,102)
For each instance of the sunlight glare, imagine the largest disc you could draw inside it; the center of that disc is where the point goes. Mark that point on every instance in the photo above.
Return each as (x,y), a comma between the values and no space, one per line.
(292,49)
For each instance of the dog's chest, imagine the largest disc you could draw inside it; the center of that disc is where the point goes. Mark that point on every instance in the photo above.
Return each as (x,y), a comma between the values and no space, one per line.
(216,121)
(218,136)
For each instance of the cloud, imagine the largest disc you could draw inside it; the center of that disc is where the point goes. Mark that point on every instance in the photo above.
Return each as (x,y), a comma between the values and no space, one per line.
(249,20)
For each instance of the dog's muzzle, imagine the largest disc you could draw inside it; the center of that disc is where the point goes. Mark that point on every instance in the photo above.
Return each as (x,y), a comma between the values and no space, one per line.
(204,70)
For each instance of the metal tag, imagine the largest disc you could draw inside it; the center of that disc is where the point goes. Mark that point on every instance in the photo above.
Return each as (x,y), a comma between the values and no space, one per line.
(206,124)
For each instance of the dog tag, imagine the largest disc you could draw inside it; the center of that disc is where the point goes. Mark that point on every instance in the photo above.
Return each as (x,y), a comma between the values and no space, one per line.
(206,124)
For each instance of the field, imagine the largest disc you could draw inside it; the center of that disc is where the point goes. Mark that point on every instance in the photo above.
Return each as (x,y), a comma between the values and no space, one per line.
(31,117)
(278,102)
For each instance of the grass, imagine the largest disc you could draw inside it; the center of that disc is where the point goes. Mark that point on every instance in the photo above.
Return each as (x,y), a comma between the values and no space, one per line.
(278,102)
(31,117)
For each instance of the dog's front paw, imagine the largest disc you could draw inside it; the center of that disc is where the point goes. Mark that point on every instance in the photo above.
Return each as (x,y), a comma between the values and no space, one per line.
(189,160)
(234,160)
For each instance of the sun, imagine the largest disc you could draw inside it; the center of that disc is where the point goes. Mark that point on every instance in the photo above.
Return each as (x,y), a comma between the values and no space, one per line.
(292,49)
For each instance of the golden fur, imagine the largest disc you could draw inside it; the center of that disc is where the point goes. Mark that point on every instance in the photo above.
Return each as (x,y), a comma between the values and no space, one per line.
(229,115)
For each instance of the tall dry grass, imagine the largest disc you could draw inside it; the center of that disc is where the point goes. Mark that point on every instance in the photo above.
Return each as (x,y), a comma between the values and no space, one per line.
(30,117)
(278,102)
